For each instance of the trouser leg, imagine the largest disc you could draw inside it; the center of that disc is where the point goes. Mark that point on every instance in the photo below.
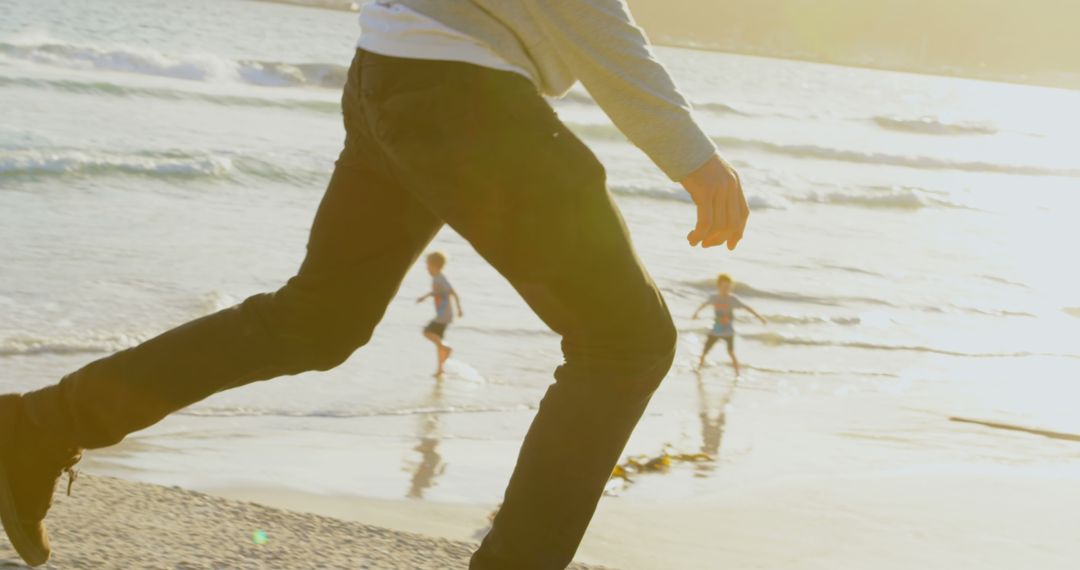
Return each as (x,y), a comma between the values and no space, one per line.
(366,234)
(488,156)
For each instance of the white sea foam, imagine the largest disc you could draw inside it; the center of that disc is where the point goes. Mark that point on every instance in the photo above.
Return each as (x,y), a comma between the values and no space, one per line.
(803,319)
(607,132)
(934,126)
(774,338)
(767,202)
(191,67)
(240,411)
(105,88)
(898,198)
(743,289)
(45,163)
(41,164)
(755,201)
(722,108)
(880,158)
(89,343)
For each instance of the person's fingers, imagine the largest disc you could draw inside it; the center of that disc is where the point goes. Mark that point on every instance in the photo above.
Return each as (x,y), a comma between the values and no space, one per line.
(704,218)
(731,218)
(718,232)
(739,226)
(733,242)
(741,212)
(716,239)
(733,215)
(722,214)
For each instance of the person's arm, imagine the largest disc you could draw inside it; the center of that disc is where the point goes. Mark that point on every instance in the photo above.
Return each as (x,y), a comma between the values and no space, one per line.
(422,299)
(698,311)
(602,45)
(457,300)
(755,313)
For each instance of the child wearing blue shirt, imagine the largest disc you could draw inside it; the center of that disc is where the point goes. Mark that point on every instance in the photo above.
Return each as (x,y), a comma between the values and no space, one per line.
(724,305)
(441,292)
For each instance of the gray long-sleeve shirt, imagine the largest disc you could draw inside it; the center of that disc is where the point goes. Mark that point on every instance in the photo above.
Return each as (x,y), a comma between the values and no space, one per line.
(597,42)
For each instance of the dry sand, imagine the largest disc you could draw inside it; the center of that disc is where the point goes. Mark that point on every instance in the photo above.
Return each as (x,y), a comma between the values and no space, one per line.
(111,523)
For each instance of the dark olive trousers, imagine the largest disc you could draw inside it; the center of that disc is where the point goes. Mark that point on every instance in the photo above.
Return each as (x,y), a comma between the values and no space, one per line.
(430,143)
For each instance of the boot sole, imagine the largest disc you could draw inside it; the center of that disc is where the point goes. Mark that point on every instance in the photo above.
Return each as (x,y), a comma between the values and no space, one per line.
(26,548)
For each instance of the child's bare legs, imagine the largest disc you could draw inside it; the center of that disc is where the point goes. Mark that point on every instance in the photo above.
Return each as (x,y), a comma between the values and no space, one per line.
(730,340)
(709,343)
(442,351)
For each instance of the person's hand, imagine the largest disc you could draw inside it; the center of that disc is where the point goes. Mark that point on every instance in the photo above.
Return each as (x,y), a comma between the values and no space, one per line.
(721,207)
(420,300)
(460,313)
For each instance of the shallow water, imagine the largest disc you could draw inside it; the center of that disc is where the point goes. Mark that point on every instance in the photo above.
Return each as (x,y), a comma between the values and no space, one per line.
(911,244)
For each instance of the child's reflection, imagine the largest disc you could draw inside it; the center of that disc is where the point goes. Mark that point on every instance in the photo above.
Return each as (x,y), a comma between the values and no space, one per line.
(431,465)
(713,420)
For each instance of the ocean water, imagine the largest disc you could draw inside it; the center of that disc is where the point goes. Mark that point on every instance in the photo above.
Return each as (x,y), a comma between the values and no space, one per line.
(912,244)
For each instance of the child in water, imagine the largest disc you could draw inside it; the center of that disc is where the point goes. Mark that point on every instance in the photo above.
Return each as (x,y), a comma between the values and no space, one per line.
(724,303)
(442,292)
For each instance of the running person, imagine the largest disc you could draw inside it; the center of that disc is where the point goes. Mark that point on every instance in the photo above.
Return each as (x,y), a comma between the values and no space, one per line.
(445,124)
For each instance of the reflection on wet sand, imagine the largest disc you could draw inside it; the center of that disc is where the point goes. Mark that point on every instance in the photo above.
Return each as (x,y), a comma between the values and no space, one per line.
(713,420)
(431,465)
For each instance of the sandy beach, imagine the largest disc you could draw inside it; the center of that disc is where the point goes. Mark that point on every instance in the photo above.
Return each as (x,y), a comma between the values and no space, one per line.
(111,523)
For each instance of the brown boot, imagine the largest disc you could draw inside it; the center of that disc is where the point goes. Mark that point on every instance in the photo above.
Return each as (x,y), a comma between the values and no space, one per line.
(30,466)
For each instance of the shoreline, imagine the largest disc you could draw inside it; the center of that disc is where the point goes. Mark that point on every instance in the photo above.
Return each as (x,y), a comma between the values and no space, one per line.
(927,516)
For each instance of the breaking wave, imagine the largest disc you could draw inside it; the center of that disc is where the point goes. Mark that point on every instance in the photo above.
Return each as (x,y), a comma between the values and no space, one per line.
(190,67)
(582,97)
(934,126)
(780,339)
(702,286)
(744,290)
(114,90)
(880,158)
(340,5)
(898,198)
(812,320)
(90,344)
(241,412)
(756,201)
(39,164)
(607,132)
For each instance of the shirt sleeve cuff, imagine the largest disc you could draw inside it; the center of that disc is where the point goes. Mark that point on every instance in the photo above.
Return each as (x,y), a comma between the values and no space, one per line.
(688,150)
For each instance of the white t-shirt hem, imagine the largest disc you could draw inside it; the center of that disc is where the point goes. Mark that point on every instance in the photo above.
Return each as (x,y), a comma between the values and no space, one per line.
(397,31)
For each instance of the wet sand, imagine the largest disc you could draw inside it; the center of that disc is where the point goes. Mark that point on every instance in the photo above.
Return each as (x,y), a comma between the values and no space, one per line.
(941,517)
